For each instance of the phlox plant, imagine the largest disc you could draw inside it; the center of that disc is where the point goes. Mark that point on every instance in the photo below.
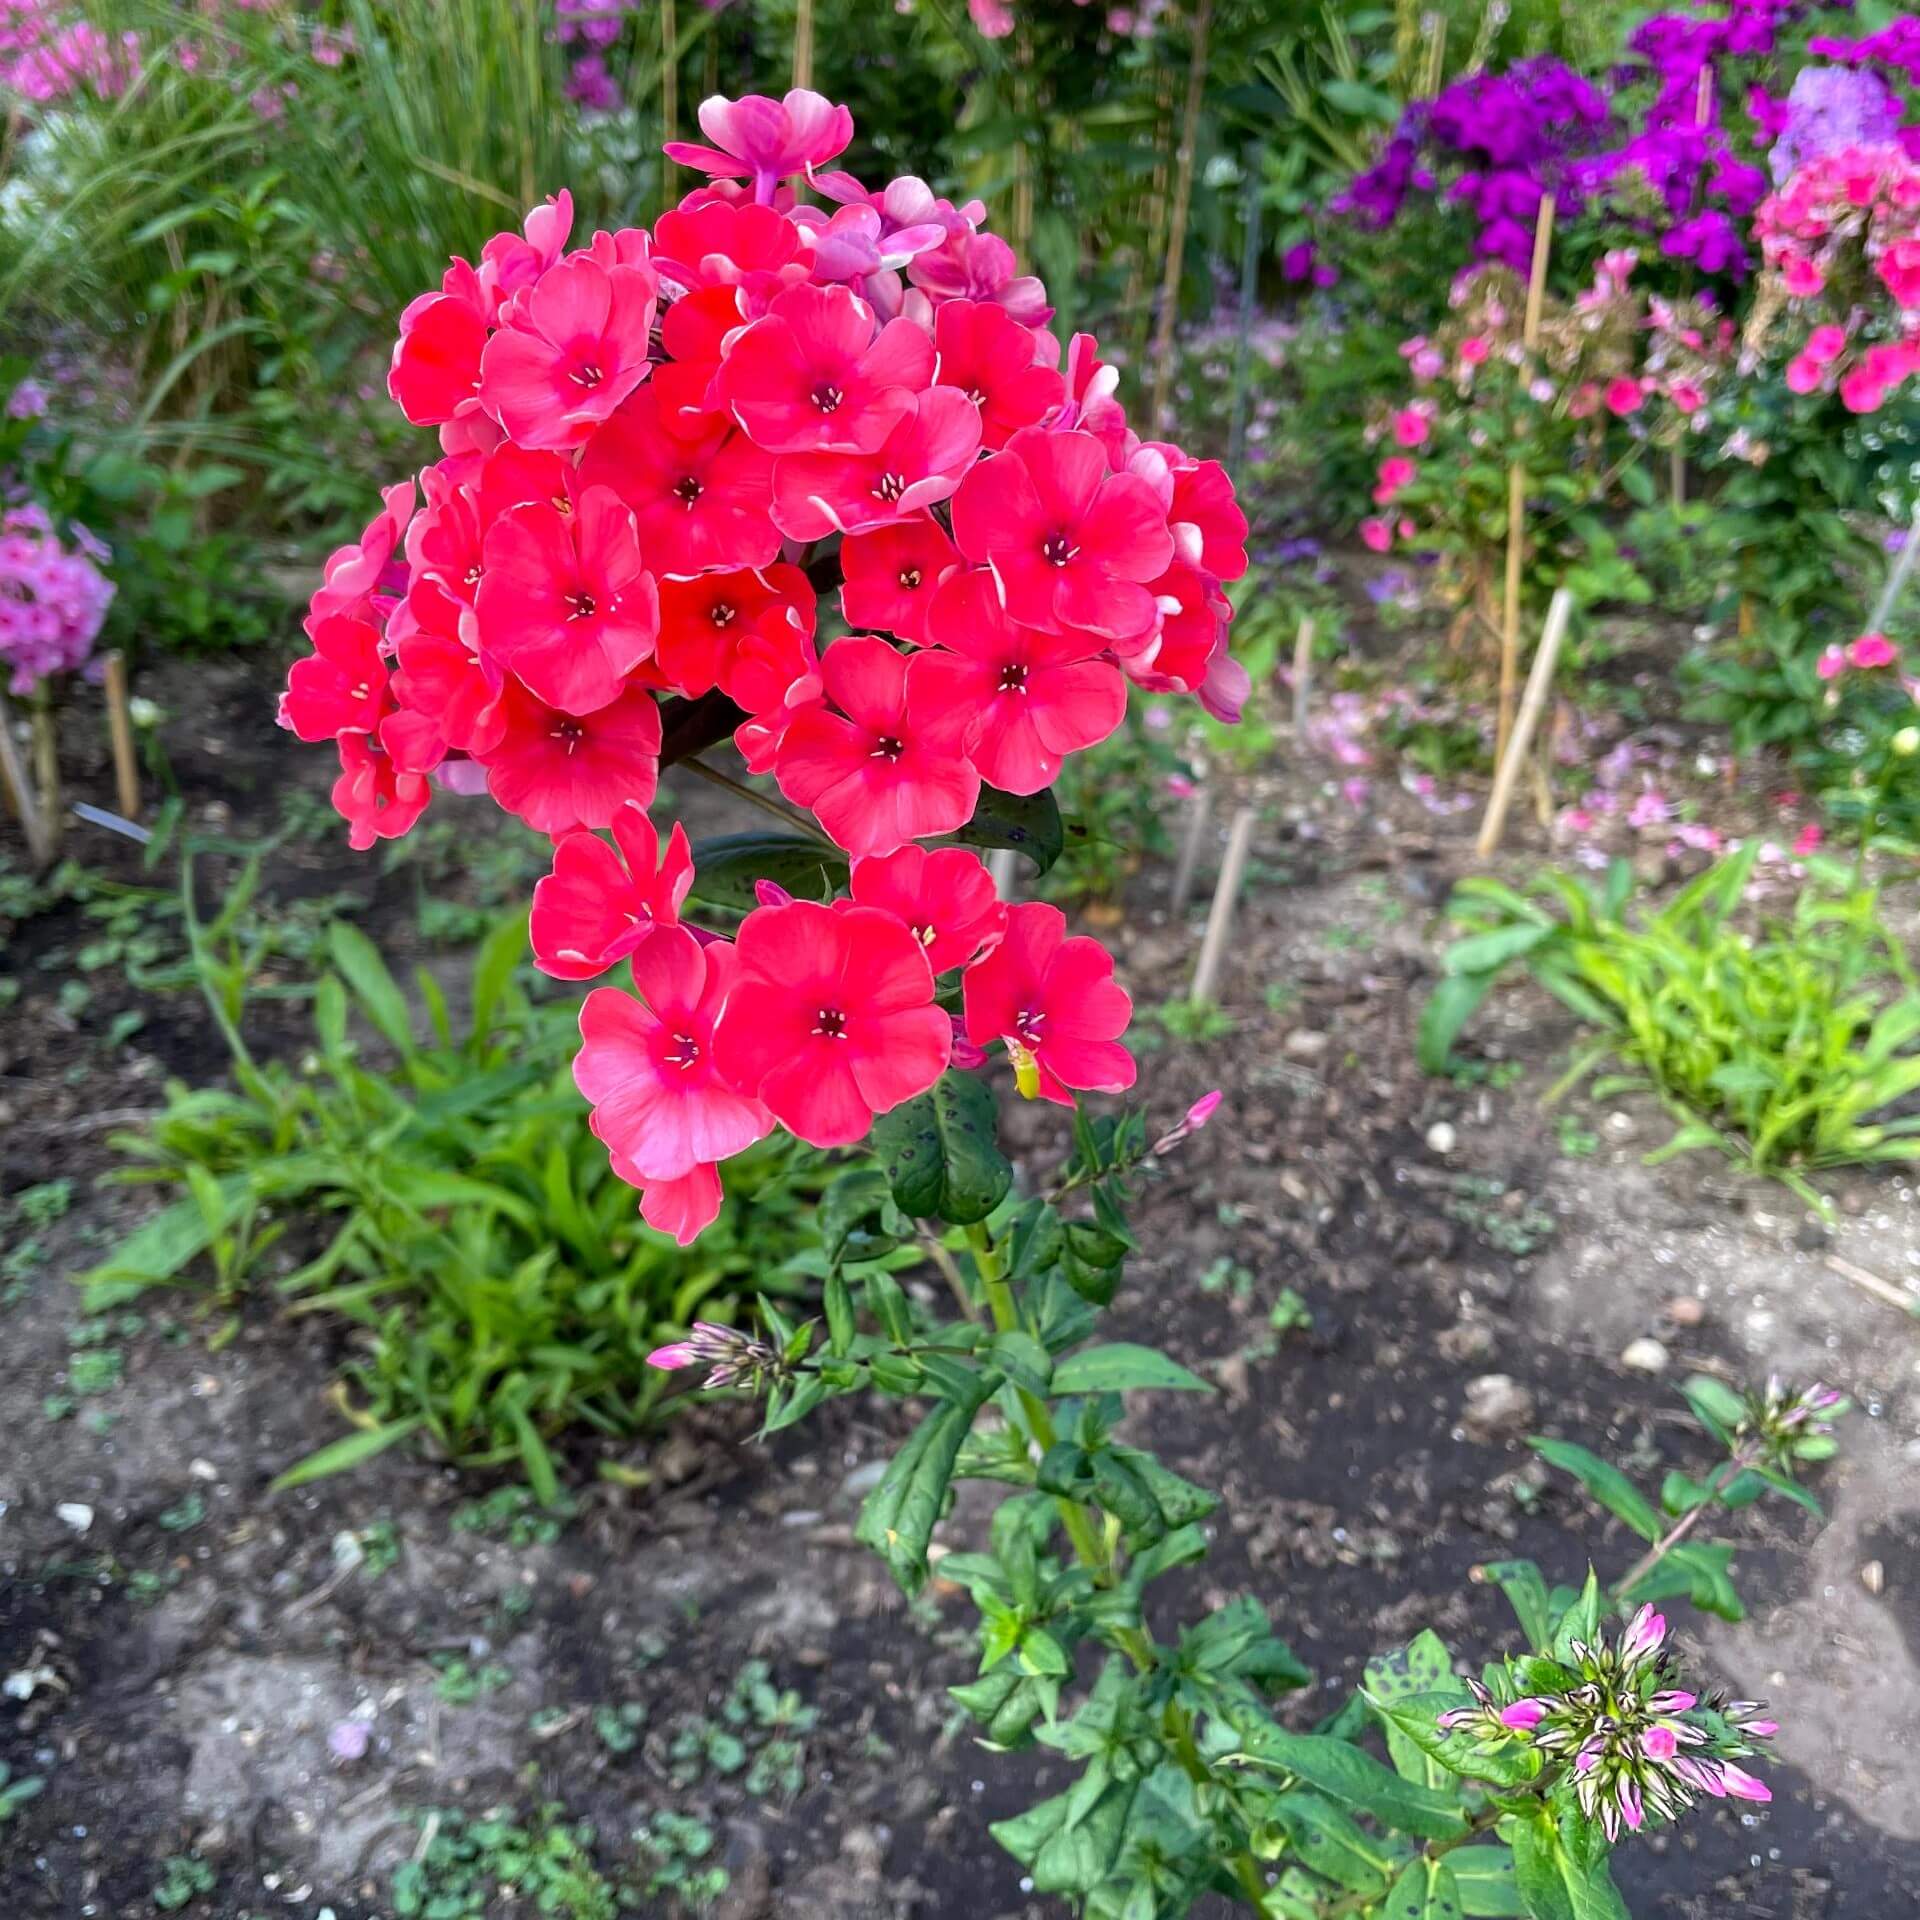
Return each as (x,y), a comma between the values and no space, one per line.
(665,457)
(1865,760)
(1614,373)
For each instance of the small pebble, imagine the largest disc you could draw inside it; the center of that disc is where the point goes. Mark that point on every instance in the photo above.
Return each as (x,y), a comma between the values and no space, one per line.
(1645,1356)
(1303,1043)
(1685,1311)
(1441,1138)
(1873,1576)
(1496,1402)
(75,1514)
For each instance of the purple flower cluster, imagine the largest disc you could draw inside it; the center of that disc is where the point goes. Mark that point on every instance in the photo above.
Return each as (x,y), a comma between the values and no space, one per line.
(1895,47)
(1829,108)
(594,25)
(1504,139)
(52,600)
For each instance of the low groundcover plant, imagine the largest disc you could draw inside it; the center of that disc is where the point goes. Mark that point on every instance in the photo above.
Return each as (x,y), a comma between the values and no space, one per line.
(665,457)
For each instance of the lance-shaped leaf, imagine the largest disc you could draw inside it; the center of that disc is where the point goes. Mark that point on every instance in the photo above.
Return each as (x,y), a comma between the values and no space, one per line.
(1121,1367)
(898,1517)
(726,867)
(1351,1776)
(1336,1846)
(1423,1666)
(1484,1875)
(1008,1704)
(1560,1869)
(1148,1500)
(1608,1485)
(939,1151)
(1526,1591)
(1029,823)
(1415,1717)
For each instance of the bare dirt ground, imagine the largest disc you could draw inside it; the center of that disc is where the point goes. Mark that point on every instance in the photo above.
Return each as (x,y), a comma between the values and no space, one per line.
(177,1646)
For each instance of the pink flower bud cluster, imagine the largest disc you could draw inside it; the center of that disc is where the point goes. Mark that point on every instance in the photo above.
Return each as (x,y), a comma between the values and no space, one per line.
(48,50)
(53,598)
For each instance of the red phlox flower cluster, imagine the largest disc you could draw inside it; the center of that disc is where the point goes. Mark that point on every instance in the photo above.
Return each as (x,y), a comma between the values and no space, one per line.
(657,451)
(1842,237)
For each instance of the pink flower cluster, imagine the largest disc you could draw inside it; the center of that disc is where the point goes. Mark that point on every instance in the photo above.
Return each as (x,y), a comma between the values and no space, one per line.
(1843,236)
(1866,654)
(647,442)
(53,599)
(995,19)
(47,54)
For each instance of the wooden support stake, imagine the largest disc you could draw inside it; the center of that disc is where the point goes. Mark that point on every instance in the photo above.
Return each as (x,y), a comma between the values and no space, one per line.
(803,44)
(1897,579)
(1003,866)
(1872,1283)
(126,769)
(1182,204)
(32,822)
(1213,943)
(669,71)
(1517,494)
(1302,678)
(1199,811)
(1538,681)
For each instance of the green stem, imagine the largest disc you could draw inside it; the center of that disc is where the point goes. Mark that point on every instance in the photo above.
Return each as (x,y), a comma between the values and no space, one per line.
(1093,1551)
(1727,1471)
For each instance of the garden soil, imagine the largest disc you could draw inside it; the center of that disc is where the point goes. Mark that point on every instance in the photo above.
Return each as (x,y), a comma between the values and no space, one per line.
(1391,1280)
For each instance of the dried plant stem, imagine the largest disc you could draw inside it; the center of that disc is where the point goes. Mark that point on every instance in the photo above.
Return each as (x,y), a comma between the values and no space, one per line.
(1722,1476)
(803,44)
(1182,205)
(669,71)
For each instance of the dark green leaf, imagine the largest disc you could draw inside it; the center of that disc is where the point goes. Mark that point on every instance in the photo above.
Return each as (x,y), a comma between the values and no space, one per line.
(725,868)
(1484,1875)
(1526,1591)
(1608,1485)
(898,1517)
(359,961)
(1333,1845)
(1029,823)
(342,1454)
(1425,1891)
(1119,1367)
(1355,1779)
(940,1153)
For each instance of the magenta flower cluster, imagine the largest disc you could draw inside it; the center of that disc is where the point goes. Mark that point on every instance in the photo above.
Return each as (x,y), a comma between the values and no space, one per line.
(48,52)
(53,599)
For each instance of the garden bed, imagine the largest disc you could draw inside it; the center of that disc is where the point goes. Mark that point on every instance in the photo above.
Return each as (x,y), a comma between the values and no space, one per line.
(1345,1252)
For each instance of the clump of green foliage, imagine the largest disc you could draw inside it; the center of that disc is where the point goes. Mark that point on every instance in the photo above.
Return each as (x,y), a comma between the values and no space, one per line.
(1790,1050)
(504,1285)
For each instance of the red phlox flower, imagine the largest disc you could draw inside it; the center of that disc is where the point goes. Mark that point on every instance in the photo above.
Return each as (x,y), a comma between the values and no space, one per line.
(890,766)
(814,375)
(945,896)
(773,673)
(920,464)
(854,246)
(1071,543)
(558,770)
(766,141)
(366,576)
(378,799)
(570,348)
(449,697)
(1209,530)
(646,1062)
(341,686)
(831,1018)
(565,603)
(435,374)
(889,575)
(444,538)
(749,248)
(1055,1004)
(1029,697)
(695,334)
(700,501)
(513,476)
(600,902)
(994,361)
(703,620)
(1193,622)
(511,261)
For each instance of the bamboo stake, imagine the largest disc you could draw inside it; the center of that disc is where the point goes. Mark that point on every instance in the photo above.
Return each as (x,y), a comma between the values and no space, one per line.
(803,44)
(1199,811)
(1897,579)
(1517,494)
(1182,204)
(39,840)
(669,71)
(126,769)
(1003,867)
(1213,944)
(1538,681)
(1302,678)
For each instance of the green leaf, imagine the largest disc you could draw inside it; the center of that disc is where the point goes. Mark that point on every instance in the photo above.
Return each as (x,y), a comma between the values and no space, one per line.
(853,1216)
(1426,1891)
(898,1517)
(1581,1621)
(726,867)
(359,961)
(1526,1591)
(349,1452)
(1560,1871)
(1120,1367)
(1416,1717)
(1354,1778)
(940,1153)
(493,969)
(1023,1360)
(1333,1845)
(1452,1003)
(1422,1667)
(1484,1876)
(1606,1484)
(1715,1404)
(1029,823)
